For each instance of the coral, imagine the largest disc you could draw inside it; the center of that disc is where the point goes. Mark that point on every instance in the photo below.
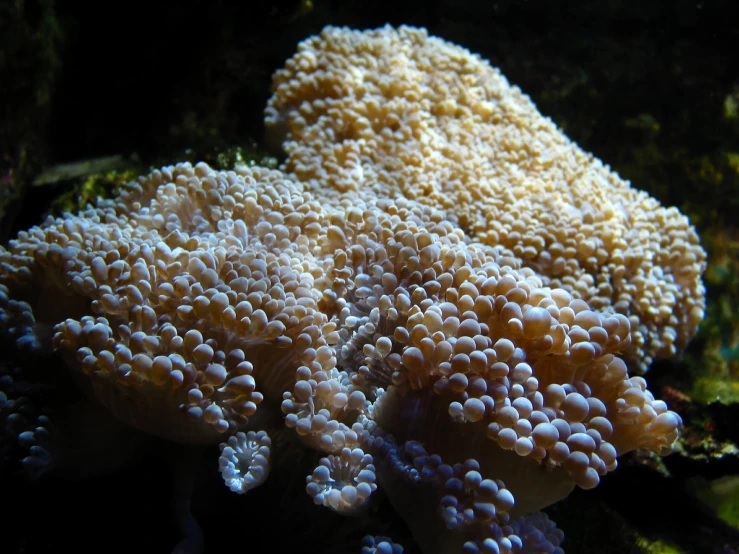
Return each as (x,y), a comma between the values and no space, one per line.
(244,461)
(399,112)
(183,262)
(420,339)
(24,432)
(380,545)
(343,482)
(374,323)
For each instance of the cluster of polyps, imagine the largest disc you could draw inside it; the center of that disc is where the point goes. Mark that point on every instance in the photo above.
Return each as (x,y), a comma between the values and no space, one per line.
(488,377)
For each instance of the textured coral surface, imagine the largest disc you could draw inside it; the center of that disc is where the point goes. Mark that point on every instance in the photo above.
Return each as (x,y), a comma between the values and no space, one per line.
(438,290)
(399,112)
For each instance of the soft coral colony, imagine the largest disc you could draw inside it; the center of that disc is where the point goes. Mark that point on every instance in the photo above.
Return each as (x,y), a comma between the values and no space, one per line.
(438,290)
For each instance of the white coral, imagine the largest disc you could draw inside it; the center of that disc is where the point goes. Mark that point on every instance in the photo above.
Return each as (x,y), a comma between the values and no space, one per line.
(245,460)
(343,482)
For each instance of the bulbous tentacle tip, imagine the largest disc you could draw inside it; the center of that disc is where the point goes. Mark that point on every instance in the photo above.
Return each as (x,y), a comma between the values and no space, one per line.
(245,460)
(377,544)
(343,482)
